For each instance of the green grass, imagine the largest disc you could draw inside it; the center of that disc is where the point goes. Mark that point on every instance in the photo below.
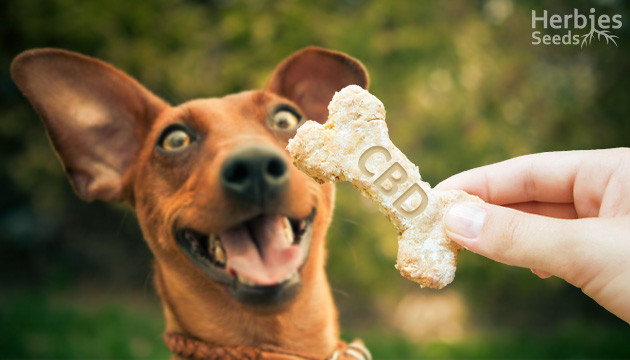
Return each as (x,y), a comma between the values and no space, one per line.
(40,325)
(579,343)
(36,326)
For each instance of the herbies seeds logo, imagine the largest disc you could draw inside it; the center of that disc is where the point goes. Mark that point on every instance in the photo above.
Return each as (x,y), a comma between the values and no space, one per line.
(600,26)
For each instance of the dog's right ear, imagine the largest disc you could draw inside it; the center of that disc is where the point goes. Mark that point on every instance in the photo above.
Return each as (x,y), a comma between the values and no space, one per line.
(311,76)
(96,116)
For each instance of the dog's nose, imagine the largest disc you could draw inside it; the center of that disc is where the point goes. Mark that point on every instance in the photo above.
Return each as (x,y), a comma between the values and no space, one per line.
(256,173)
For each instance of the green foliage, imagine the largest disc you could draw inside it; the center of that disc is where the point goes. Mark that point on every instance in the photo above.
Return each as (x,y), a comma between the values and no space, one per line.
(463,87)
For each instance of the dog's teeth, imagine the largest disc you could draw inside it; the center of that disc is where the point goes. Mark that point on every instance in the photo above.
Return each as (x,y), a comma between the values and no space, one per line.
(288,231)
(216,249)
(245,281)
(289,276)
(219,254)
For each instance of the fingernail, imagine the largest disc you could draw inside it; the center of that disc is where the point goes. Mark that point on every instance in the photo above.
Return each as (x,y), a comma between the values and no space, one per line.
(465,219)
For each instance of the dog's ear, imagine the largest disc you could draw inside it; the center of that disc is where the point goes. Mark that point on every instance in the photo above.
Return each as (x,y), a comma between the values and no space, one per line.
(96,116)
(311,76)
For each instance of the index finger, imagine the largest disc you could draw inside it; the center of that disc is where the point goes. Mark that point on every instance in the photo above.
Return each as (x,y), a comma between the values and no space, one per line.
(544,177)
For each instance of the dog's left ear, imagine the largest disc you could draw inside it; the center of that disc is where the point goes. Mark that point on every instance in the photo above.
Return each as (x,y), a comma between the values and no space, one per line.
(311,76)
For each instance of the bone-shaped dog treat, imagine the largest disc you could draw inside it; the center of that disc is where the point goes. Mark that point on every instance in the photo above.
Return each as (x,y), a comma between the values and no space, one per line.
(353,145)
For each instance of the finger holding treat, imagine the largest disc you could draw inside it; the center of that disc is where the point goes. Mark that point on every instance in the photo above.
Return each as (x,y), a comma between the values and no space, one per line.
(354,145)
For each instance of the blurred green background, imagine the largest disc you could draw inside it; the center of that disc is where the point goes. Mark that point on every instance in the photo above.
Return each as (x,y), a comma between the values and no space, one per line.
(463,87)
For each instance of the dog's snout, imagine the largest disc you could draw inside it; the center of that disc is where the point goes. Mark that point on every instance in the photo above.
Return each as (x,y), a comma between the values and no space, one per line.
(256,173)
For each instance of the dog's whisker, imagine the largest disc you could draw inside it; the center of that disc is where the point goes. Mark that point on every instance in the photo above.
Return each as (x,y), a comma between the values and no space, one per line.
(340,292)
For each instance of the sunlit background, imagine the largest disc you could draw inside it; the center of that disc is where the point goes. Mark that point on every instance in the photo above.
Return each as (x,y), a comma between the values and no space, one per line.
(463,86)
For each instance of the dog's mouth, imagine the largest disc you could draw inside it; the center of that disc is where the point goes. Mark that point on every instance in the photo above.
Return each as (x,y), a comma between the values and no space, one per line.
(259,259)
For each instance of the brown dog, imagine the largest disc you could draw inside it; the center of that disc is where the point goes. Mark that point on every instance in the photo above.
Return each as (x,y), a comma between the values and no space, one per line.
(237,232)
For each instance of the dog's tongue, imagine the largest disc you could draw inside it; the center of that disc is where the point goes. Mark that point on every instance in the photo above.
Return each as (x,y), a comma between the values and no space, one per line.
(276,259)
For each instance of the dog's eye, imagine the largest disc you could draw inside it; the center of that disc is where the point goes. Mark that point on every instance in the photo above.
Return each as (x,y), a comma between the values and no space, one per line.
(285,120)
(175,139)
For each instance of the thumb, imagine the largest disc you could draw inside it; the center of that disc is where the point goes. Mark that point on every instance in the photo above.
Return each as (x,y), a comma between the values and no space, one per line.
(513,237)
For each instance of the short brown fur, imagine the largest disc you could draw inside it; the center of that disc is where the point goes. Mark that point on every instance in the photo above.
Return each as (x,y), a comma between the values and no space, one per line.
(104,126)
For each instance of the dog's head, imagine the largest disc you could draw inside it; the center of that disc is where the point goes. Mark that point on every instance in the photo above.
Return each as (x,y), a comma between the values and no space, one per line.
(216,195)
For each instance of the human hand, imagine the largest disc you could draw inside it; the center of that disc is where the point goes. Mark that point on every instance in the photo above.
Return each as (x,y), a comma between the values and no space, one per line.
(563,213)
